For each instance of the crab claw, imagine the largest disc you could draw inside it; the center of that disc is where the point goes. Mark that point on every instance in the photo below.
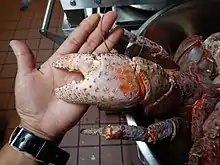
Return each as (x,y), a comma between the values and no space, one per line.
(109,80)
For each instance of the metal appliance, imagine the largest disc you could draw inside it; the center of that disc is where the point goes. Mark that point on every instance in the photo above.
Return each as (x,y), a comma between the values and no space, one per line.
(131,13)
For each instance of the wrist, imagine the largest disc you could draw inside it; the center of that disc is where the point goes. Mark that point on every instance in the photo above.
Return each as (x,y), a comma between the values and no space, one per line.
(54,139)
(8,156)
(37,148)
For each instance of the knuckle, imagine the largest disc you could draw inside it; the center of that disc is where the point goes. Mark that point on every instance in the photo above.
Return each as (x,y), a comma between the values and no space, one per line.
(106,46)
(22,53)
(103,48)
(91,42)
(73,41)
(99,50)
(86,26)
(110,42)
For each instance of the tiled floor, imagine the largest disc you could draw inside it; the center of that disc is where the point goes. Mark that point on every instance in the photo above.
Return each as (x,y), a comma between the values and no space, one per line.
(25,26)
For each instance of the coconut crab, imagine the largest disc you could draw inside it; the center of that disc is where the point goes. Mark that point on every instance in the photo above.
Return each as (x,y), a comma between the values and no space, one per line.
(117,81)
(212,43)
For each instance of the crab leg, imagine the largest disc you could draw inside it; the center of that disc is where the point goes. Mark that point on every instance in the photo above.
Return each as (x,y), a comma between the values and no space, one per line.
(152,51)
(207,149)
(125,132)
(167,129)
(198,94)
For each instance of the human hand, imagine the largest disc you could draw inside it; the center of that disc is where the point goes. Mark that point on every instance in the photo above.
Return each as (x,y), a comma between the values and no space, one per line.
(40,111)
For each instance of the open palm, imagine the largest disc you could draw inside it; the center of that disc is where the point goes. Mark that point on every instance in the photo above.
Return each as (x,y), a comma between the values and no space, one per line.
(40,111)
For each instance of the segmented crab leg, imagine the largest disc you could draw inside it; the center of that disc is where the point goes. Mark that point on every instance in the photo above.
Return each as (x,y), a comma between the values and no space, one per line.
(207,149)
(167,129)
(111,132)
(152,51)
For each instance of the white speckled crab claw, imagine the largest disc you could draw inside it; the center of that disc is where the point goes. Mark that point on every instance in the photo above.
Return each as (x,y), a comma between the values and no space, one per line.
(109,80)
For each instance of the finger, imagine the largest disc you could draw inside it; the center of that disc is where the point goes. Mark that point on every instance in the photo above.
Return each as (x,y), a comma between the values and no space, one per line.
(25,58)
(111,41)
(114,51)
(96,37)
(79,35)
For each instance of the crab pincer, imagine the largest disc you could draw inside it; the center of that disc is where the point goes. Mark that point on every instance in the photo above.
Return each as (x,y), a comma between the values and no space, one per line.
(111,80)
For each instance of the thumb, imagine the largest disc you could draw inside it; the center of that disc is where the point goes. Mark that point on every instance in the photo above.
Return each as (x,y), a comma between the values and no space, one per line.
(25,58)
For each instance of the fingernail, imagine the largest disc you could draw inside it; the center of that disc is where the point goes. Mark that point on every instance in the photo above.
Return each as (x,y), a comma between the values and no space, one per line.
(93,18)
(11,45)
(115,28)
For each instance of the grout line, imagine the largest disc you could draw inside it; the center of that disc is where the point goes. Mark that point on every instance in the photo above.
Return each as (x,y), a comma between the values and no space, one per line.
(1,70)
(4,64)
(33,18)
(6,92)
(24,29)
(78,142)
(9,101)
(122,155)
(51,40)
(101,124)
(31,49)
(10,109)
(57,28)
(25,38)
(56,31)
(7,31)
(87,146)
(37,50)
(8,63)
(5,77)
(100,144)
(4,61)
